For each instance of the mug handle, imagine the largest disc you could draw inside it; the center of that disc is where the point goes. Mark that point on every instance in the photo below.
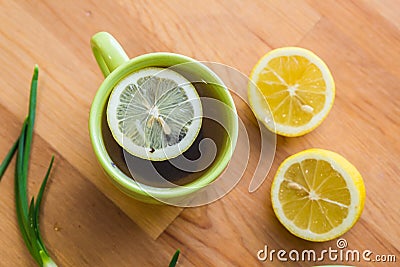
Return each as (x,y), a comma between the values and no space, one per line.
(108,52)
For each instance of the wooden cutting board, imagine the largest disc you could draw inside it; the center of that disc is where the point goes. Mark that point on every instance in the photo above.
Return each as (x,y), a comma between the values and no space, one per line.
(87,222)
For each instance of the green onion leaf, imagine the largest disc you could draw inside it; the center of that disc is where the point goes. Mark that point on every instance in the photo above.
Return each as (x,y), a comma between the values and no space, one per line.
(37,205)
(32,232)
(29,135)
(174,258)
(21,217)
(7,159)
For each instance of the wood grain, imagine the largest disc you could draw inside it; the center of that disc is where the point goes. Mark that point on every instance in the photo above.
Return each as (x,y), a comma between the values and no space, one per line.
(87,222)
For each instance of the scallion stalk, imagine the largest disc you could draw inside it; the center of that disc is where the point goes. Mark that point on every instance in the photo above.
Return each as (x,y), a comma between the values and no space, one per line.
(28,214)
(174,259)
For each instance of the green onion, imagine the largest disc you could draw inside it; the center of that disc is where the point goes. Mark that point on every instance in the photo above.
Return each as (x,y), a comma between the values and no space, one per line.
(7,159)
(174,258)
(28,214)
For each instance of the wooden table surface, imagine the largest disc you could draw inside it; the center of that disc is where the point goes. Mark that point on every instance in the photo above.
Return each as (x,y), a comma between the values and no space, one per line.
(84,219)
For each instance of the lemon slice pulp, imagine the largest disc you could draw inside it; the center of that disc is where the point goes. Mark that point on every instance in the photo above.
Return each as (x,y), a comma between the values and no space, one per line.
(291,91)
(154,114)
(317,195)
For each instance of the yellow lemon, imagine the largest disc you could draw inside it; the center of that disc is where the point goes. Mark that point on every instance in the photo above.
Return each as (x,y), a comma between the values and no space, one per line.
(317,195)
(291,91)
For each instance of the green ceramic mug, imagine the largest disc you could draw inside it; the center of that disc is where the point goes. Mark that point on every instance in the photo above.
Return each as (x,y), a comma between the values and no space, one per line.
(115,65)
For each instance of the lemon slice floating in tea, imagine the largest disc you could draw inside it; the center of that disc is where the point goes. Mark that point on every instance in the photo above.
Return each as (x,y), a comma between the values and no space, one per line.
(154,114)
(317,195)
(295,86)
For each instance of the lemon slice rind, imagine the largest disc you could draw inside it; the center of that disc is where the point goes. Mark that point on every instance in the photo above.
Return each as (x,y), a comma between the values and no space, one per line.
(166,152)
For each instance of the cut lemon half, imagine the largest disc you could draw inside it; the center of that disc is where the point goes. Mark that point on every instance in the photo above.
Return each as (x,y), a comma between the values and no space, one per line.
(291,91)
(154,114)
(317,195)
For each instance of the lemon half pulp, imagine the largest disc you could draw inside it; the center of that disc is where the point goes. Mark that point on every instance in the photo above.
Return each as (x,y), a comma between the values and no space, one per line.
(291,91)
(154,114)
(317,195)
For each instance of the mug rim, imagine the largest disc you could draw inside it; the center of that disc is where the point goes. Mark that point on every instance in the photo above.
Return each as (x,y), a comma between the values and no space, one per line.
(127,184)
